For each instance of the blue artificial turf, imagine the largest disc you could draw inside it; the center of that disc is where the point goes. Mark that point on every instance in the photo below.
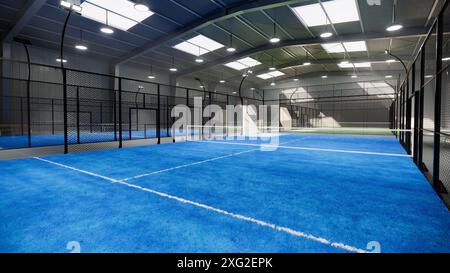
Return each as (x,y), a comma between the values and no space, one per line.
(348,198)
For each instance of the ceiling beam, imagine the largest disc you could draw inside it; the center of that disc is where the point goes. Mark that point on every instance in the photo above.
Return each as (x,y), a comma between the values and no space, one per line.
(324,61)
(30,9)
(406,32)
(223,14)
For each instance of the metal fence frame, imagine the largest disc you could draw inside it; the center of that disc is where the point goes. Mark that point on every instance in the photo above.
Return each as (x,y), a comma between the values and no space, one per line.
(412,90)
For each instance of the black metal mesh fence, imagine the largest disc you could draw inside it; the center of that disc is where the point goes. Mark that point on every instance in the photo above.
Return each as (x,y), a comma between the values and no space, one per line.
(430,99)
(101,110)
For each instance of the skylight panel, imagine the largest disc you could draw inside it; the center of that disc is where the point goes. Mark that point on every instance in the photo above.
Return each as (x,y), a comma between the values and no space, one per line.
(334,48)
(342,11)
(355,46)
(270,75)
(339,11)
(121,14)
(199,45)
(346,46)
(243,63)
(311,15)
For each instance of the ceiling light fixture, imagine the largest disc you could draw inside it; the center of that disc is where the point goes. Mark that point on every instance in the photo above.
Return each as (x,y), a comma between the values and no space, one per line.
(326,35)
(388,76)
(141,6)
(59,60)
(390,61)
(81,45)
(324,76)
(307,64)
(231,48)
(106,29)
(151,76)
(394,28)
(446,59)
(274,39)
(173,68)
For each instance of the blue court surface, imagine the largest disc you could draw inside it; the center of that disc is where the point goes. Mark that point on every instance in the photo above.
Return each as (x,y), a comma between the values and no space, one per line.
(313,193)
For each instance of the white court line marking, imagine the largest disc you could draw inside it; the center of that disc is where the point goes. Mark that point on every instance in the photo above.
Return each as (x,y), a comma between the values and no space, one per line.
(192,164)
(217,210)
(306,148)
(187,165)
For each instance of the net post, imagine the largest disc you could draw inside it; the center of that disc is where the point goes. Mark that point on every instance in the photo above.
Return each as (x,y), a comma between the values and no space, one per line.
(66,135)
(78,114)
(158,115)
(21,117)
(115,115)
(129,123)
(53,116)
(120,114)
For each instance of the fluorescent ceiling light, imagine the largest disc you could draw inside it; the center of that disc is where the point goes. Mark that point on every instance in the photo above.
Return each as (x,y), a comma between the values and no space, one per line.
(199,45)
(151,77)
(231,49)
(273,84)
(274,40)
(307,64)
(391,61)
(222,81)
(326,35)
(173,69)
(141,7)
(339,11)
(324,76)
(345,47)
(81,47)
(243,63)
(270,75)
(199,60)
(388,76)
(121,13)
(354,76)
(446,59)
(394,28)
(107,30)
(59,60)
(357,65)
(429,76)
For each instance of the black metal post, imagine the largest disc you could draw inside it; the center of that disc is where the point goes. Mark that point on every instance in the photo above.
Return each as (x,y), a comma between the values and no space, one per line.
(64,78)
(115,116)
(421,108)
(78,115)
(437,184)
(158,116)
(129,123)
(408,118)
(416,113)
(167,116)
(120,113)
(21,117)
(53,116)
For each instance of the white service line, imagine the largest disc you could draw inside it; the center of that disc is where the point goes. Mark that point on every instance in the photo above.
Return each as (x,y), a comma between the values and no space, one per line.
(192,164)
(217,210)
(307,148)
(187,165)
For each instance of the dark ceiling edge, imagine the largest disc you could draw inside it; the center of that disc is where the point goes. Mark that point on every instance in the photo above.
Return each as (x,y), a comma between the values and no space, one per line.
(30,9)
(222,14)
(407,32)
